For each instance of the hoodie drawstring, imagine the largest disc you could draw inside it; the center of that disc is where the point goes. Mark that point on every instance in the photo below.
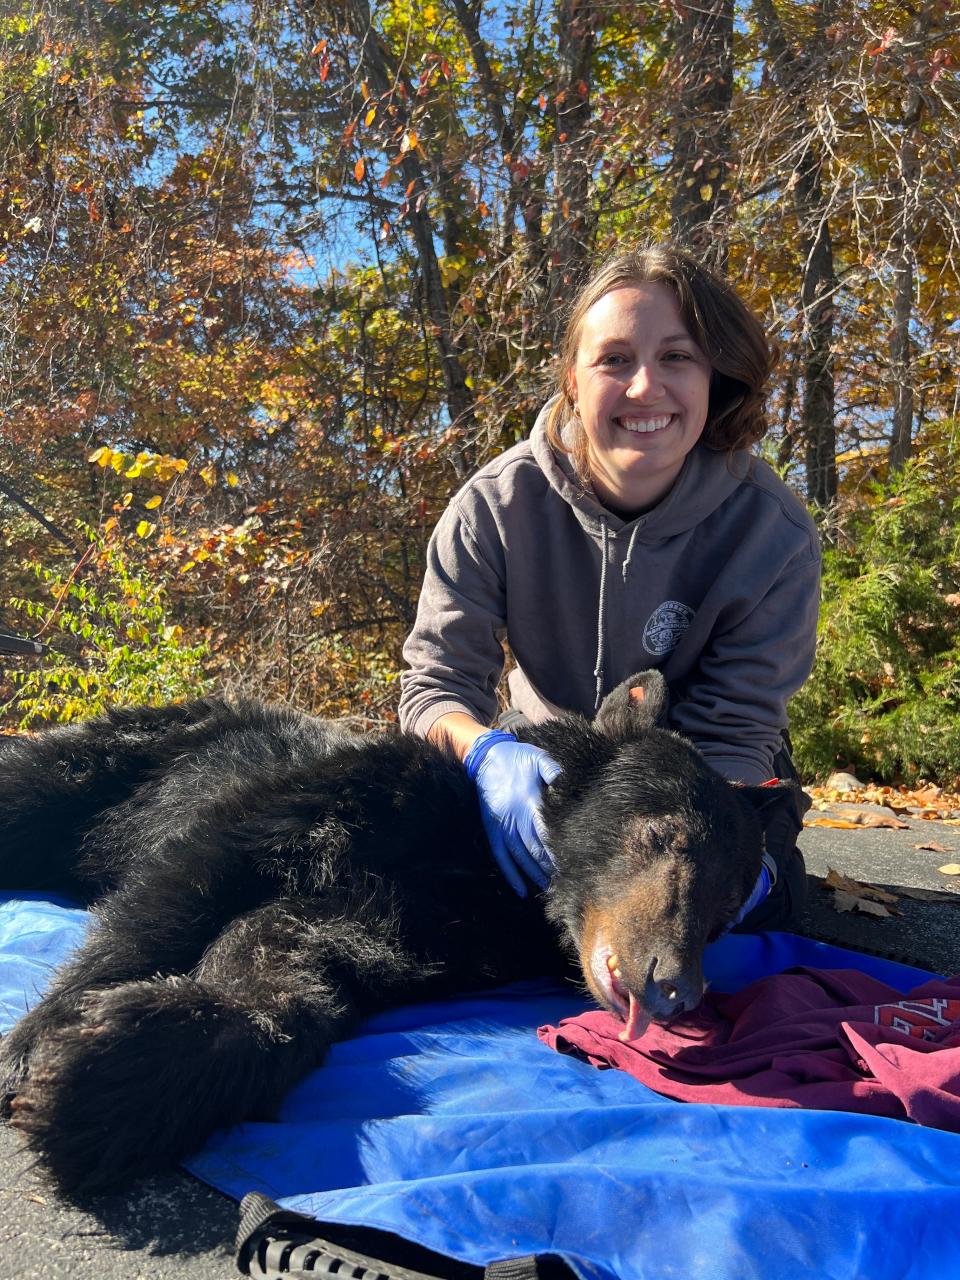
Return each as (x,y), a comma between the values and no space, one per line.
(602,612)
(630,546)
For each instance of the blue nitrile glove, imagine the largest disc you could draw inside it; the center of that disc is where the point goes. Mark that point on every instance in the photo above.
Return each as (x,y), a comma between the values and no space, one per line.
(509,777)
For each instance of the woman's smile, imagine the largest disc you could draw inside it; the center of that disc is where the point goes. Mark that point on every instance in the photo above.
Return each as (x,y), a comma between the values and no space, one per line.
(644,426)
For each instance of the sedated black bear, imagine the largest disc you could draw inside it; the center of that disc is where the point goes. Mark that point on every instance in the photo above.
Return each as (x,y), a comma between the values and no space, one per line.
(262,879)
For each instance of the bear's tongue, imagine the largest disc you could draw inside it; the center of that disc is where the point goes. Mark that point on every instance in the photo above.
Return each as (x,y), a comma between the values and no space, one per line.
(606,966)
(637,1021)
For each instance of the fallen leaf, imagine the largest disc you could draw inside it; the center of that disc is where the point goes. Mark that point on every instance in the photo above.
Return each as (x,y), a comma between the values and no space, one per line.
(839,823)
(950,869)
(929,793)
(848,816)
(873,908)
(864,818)
(850,902)
(837,880)
(934,847)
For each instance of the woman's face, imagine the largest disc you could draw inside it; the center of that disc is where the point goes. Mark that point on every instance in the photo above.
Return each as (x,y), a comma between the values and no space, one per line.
(642,386)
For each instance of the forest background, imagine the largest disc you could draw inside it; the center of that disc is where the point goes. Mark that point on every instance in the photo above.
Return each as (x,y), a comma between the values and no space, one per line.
(276,277)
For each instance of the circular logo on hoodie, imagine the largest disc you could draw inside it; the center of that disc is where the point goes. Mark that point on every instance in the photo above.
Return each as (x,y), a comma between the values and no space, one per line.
(665,627)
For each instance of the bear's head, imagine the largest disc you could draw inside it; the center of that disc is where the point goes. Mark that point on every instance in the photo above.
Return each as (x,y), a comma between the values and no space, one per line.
(655,851)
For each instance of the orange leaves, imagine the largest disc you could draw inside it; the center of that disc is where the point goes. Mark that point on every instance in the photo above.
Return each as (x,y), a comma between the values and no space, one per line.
(319,50)
(359,169)
(849,818)
(926,800)
(875,48)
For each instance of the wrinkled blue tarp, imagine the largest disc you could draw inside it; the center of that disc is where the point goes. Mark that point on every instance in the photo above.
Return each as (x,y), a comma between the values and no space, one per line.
(453,1126)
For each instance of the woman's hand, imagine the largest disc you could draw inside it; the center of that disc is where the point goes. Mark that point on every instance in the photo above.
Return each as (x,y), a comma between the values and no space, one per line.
(510,777)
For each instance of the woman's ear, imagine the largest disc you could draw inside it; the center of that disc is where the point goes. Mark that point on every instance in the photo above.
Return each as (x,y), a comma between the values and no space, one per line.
(570,389)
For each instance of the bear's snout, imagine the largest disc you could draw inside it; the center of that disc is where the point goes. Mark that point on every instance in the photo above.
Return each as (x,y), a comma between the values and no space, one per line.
(639,978)
(672,988)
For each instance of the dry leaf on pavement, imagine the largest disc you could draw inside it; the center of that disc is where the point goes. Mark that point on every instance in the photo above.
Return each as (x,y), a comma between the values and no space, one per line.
(852,895)
(850,902)
(934,847)
(839,823)
(950,869)
(846,884)
(848,819)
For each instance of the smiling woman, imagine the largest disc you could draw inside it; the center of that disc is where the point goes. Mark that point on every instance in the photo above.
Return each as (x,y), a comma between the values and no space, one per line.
(634,529)
(640,386)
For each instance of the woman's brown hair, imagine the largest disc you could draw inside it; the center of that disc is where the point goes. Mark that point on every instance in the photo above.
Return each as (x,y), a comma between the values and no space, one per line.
(721,324)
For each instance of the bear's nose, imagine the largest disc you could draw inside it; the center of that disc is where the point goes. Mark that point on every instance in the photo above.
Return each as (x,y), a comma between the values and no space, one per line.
(669,993)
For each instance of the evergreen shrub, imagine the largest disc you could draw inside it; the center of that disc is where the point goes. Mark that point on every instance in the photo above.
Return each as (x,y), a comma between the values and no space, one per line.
(884,695)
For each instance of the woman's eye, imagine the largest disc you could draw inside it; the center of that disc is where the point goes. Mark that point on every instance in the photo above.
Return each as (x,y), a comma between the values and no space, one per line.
(612,358)
(678,355)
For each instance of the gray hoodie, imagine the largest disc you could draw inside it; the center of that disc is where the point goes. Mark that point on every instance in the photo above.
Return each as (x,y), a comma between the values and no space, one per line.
(717,586)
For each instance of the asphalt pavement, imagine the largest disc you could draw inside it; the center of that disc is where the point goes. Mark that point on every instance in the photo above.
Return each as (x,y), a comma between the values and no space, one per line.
(925,933)
(175,1228)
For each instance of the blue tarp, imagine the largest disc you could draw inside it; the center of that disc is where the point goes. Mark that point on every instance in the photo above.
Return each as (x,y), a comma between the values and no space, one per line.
(453,1126)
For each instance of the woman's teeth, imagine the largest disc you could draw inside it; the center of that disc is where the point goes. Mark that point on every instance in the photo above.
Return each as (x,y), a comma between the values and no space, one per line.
(645,425)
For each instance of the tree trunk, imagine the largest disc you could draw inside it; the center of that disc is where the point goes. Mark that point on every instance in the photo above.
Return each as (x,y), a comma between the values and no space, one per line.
(701,128)
(795,74)
(572,228)
(903,245)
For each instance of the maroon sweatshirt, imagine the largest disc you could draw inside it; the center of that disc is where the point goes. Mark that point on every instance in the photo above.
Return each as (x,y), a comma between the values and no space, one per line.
(832,1039)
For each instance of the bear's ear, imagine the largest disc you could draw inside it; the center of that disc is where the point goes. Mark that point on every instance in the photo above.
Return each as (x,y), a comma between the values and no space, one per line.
(638,703)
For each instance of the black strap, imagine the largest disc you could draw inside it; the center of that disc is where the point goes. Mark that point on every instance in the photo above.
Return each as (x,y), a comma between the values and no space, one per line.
(279,1244)
(513,1269)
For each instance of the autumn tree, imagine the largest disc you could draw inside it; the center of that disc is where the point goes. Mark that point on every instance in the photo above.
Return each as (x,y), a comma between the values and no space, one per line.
(288,272)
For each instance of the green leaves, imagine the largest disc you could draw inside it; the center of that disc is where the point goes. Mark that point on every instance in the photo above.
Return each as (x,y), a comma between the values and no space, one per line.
(112,644)
(884,695)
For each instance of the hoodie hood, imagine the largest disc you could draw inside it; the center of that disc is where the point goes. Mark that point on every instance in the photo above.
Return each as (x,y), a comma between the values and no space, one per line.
(706,480)
(715,586)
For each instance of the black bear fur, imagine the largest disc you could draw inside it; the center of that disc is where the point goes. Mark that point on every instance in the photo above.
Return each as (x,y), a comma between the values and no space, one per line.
(260,880)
